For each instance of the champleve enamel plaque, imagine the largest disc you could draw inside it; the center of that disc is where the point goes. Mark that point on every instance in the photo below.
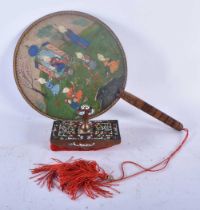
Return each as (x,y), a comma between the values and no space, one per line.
(67,59)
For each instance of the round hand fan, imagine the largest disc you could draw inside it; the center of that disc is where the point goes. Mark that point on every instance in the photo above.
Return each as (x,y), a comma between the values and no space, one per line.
(67,59)
(70,66)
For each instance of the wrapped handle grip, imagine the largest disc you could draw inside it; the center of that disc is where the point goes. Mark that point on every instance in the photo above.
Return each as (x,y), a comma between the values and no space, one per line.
(149,109)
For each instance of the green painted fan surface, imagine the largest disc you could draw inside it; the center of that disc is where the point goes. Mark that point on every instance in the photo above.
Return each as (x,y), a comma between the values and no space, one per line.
(68,59)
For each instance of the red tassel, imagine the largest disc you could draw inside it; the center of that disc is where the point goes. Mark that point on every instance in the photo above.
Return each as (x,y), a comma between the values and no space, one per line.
(76,177)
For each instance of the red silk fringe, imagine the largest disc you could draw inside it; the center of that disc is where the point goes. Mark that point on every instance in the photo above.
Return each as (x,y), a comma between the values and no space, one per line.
(76,177)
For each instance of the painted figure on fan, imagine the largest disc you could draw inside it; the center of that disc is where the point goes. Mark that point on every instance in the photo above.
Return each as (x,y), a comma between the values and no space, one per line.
(71,36)
(113,65)
(73,97)
(49,59)
(54,88)
(87,61)
(73,104)
(57,64)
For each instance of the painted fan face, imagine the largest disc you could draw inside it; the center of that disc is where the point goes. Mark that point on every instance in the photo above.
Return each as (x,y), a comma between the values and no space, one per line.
(68,59)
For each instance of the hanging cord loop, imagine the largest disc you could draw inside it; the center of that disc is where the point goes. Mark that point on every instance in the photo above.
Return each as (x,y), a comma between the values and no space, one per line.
(157,167)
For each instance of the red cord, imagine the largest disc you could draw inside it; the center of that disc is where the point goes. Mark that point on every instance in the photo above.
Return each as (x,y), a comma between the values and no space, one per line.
(157,167)
(76,177)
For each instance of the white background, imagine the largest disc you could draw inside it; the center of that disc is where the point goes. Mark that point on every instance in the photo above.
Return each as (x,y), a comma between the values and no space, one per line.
(162,43)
